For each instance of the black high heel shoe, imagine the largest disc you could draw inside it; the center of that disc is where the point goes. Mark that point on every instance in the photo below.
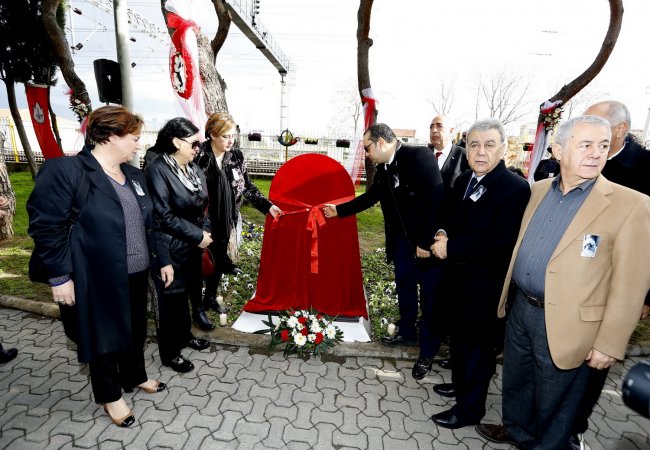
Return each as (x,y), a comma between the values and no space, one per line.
(159,387)
(124,422)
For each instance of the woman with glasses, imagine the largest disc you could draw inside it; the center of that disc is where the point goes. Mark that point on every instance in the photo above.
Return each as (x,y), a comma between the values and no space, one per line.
(228,183)
(179,195)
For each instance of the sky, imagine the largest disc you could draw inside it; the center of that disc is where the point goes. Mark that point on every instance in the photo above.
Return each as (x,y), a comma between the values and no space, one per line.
(418,45)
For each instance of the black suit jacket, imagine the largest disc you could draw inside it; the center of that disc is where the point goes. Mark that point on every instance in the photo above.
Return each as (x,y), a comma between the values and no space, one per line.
(455,164)
(631,168)
(93,251)
(482,235)
(411,194)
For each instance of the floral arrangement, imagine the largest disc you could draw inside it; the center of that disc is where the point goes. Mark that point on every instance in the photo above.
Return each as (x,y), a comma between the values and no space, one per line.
(303,332)
(552,117)
(78,107)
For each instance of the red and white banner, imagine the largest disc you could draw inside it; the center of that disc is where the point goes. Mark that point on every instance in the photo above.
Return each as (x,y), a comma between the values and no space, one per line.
(184,61)
(542,137)
(38,102)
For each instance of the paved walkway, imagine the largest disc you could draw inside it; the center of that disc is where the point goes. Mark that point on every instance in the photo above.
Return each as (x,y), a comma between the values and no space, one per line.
(243,398)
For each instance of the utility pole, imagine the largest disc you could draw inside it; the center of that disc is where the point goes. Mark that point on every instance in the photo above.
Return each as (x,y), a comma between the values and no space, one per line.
(123,51)
(124,58)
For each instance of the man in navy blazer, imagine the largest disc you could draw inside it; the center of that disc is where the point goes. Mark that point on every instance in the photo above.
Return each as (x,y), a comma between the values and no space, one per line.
(452,159)
(409,188)
(485,210)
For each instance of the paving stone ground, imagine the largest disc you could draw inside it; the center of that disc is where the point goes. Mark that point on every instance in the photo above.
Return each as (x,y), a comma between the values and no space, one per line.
(238,397)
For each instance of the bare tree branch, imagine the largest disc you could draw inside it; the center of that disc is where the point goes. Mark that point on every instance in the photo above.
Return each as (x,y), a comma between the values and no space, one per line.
(504,96)
(444,101)
(61,50)
(224,27)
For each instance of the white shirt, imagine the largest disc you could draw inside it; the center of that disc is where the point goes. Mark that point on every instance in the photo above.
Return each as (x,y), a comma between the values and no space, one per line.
(444,155)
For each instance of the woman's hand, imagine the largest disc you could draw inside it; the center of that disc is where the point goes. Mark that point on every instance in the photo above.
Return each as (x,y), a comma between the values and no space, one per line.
(63,294)
(167,274)
(207,239)
(275,211)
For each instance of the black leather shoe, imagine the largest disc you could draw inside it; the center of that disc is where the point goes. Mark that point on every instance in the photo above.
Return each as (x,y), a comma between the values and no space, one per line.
(445,363)
(201,319)
(422,367)
(210,302)
(398,339)
(7,355)
(447,419)
(198,343)
(495,433)
(180,364)
(445,390)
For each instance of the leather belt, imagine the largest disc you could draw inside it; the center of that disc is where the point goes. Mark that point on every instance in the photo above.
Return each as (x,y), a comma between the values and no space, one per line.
(536,302)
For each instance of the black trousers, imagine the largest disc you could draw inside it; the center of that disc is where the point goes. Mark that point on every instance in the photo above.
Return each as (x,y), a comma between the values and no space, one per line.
(112,371)
(474,364)
(595,384)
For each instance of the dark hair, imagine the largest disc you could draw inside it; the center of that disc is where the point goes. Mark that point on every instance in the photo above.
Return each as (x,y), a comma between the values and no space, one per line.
(380,130)
(110,121)
(178,127)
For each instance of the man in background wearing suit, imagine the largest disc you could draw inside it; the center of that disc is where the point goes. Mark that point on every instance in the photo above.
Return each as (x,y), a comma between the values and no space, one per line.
(485,210)
(408,185)
(572,306)
(628,164)
(452,159)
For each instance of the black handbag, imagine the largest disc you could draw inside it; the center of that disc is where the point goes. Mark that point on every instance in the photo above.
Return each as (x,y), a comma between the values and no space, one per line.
(37,270)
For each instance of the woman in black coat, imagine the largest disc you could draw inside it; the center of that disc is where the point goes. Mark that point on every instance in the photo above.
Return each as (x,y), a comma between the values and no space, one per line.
(179,197)
(228,183)
(99,267)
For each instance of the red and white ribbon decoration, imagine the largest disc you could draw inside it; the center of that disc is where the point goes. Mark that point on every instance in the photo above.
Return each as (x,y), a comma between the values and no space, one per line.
(354,164)
(542,138)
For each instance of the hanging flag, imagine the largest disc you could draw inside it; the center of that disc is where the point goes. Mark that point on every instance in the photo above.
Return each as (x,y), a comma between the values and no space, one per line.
(38,101)
(184,60)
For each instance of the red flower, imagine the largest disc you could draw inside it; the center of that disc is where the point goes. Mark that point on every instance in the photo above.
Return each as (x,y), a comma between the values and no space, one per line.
(304,331)
(284,335)
(319,316)
(319,338)
(302,320)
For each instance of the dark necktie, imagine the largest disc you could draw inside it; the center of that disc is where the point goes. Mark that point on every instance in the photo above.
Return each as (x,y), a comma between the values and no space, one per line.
(470,187)
(438,154)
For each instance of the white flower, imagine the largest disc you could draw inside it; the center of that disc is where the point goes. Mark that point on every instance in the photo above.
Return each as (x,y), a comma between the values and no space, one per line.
(312,317)
(300,340)
(311,337)
(277,326)
(330,331)
(315,327)
(297,313)
(292,322)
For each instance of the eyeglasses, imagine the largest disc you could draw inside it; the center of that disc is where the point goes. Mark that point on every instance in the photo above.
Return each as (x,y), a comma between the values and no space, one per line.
(367,147)
(195,144)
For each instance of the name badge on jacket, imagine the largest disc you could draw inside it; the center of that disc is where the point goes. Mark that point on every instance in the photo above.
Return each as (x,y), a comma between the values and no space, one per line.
(478,193)
(137,188)
(590,245)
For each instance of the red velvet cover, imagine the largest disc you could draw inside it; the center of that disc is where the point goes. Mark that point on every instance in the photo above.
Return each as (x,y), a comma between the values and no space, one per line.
(306,260)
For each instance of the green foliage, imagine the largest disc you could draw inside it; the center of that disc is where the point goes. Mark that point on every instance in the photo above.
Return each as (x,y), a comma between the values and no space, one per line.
(379,280)
(25,53)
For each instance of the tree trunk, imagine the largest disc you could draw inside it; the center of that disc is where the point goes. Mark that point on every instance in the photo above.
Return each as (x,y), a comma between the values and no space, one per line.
(363,74)
(6,220)
(15,114)
(61,51)
(615,21)
(55,126)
